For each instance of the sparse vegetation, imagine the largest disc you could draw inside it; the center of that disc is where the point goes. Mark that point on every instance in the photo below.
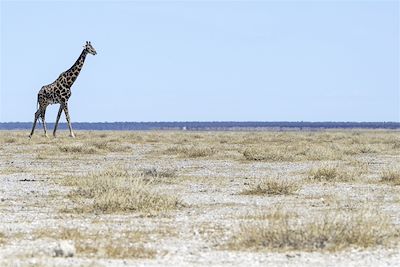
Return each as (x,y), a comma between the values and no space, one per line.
(191,151)
(117,245)
(2,238)
(154,172)
(120,251)
(330,173)
(10,140)
(108,146)
(118,195)
(115,190)
(78,149)
(330,232)
(275,186)
(291,152)
(391,176)
(267,154)
(94,147)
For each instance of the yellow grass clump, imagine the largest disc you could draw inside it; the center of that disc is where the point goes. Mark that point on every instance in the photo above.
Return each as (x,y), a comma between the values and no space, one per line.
(332,173)
(116,190)
(331,232)
(158,173)
(78,149)
(391,176)
(191,151)
(267,154)
(107,244)
(2,238)
(275,186)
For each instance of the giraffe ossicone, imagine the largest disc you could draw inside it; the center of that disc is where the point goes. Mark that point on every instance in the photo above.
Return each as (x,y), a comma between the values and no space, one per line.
(59,91)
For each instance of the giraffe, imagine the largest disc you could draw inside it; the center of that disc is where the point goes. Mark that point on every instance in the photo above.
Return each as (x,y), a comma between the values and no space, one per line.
(59,92)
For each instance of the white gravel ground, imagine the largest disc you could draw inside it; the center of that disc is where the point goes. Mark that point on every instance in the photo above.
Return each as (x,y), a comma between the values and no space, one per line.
(31,199)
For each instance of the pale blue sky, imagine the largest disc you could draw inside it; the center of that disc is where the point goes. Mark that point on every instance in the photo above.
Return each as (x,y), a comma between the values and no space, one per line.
(205,60)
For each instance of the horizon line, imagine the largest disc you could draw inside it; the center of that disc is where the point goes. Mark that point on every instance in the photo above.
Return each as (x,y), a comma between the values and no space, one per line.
(215,121)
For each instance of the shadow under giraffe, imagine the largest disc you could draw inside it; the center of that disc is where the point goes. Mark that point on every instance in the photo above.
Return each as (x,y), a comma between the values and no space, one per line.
(59,91)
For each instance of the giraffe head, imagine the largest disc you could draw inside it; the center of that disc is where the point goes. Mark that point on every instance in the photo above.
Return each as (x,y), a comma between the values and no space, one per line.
(89,48)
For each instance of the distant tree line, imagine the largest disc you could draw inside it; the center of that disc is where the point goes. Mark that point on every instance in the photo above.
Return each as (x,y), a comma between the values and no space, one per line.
(211,125)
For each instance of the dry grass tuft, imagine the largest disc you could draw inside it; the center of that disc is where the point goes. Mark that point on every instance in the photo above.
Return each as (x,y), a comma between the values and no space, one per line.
(324,174)
(115,190)
(103,135)
(94,147)
(267,154)
(396,144)
(118,251)
(191,151)
(64,233)
(292,151)
(334,174)
(274,214)
(128,245)
(332,232)
(274,186)
(108,146)
(391,176)
(106,244)
(78,149)
(10,140)
(158,173)
(2,238)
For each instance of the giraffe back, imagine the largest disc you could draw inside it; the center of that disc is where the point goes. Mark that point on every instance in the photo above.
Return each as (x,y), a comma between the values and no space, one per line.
(54,93)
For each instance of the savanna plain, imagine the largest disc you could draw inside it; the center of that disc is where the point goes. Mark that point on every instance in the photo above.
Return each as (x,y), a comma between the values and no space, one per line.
(207,198)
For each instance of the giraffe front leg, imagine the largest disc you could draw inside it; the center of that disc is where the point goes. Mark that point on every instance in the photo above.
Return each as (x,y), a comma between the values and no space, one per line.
(43,115)
(37,113)
(71,133)
(58,118)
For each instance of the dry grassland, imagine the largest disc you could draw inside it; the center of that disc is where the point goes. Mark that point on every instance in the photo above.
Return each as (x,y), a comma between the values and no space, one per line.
(200,198)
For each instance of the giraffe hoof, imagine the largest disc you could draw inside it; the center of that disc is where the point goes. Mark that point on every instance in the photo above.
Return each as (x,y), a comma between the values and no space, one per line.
(72,135)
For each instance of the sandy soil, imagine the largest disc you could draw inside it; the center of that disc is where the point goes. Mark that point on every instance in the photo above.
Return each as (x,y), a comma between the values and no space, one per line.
(33,201)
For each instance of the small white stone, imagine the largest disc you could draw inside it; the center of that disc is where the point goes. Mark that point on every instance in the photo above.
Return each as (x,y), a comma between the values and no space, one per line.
(64,249)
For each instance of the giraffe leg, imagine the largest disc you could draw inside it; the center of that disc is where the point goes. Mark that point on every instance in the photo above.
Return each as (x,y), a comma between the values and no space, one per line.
(58,118)
(68,120)
(43,116)
(37,113)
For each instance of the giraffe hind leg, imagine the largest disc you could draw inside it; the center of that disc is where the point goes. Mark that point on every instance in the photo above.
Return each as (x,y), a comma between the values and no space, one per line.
(37,114)
(43,116)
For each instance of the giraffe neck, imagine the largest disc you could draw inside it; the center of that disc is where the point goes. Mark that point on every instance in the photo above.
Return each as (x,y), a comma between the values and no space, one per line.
(72,73)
